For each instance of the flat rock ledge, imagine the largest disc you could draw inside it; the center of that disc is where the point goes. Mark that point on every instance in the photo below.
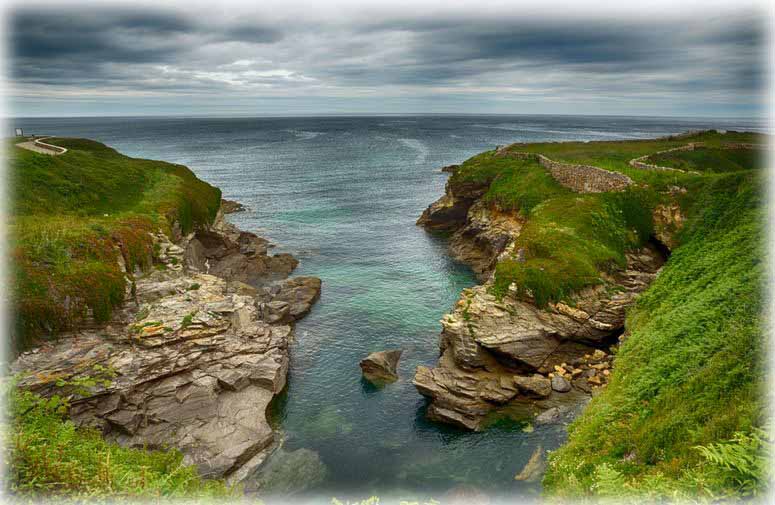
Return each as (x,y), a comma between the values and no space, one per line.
(191,362)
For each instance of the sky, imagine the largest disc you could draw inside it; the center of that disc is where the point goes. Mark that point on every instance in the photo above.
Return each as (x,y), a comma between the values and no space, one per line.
(295,58)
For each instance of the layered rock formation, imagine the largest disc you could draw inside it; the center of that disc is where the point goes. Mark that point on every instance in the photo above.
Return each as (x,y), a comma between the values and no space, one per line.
(509,354)
(193,360)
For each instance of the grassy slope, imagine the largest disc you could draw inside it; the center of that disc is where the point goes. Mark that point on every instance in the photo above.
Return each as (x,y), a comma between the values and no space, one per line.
(710,159)
(568,238)
(70,216)
(690,374)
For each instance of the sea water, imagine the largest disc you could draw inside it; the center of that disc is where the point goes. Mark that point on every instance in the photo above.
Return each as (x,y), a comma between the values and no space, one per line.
(342,194)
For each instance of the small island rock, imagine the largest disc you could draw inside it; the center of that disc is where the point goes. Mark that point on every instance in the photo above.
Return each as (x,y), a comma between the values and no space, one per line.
(381,366)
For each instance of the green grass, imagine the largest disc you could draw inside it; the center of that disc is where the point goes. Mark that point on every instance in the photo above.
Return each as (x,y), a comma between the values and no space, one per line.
(48,456)
(690,374)
(520,185)
(568,239)
(683,415)
(73,214)
(711,159)
(616,155)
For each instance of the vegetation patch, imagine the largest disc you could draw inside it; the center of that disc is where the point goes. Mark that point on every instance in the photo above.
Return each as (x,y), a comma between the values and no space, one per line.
(570,239)
(48,456)
(683,412)
(74,215)
(713,160)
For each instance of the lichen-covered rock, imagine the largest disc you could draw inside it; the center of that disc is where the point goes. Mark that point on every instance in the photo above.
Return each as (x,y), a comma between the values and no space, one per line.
(381,366)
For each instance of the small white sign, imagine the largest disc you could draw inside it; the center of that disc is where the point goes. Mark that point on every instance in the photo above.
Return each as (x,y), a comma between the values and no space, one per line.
(19,132)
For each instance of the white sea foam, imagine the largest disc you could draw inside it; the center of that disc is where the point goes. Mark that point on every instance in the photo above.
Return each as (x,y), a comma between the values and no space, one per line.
(304,135)
(422,149)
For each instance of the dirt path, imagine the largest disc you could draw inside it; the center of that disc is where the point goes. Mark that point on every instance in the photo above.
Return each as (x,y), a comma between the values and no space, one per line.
(39,146)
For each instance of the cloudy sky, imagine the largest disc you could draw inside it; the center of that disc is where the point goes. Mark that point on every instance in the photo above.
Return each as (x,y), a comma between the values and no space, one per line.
(206,58)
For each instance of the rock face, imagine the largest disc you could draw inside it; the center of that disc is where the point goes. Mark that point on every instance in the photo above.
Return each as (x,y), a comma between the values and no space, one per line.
(230,206)
(510,353)
(225,251)
(381,366)
(192,363)
(450,211)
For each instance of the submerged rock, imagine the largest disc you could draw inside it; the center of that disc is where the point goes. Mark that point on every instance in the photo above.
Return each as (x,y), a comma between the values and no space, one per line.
(466,495)
(535,467)
(381,366)
(287,473)
(560,385)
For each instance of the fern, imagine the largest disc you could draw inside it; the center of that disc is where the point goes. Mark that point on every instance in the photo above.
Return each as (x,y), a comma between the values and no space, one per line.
(741,463)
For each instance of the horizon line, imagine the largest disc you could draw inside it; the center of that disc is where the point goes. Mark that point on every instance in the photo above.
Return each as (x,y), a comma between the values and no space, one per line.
(374,114)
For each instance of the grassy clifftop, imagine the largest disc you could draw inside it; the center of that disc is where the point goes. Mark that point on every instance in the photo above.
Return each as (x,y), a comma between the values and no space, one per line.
(71,215)
(684,411)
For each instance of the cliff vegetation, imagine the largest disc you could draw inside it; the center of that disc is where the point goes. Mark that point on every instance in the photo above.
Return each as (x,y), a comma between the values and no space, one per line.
(683,415)
(71,216)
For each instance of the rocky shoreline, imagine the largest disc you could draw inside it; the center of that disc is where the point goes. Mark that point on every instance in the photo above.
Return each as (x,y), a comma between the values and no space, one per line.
(508,355)
(195,356)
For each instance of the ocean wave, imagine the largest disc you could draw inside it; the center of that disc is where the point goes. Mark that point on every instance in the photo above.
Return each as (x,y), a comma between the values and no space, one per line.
(422,149)
(304,135)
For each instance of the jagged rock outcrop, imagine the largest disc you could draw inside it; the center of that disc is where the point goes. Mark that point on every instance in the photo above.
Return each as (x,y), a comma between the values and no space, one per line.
(230,206)
(498,352)
(486,234)
(225,251)
(381,366)
(481,232)
(451,210)
(192,362)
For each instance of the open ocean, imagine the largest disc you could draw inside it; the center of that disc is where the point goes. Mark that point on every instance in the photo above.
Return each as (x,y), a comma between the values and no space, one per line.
(342,194)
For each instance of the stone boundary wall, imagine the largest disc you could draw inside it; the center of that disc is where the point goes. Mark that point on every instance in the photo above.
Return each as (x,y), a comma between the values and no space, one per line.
(578,178)
(640,162)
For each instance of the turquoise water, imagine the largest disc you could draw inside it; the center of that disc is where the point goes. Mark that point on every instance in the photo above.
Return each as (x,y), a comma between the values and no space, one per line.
(342,194)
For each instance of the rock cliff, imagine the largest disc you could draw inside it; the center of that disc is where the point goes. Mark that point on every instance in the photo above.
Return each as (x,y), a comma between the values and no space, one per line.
(508,354)
(193,361)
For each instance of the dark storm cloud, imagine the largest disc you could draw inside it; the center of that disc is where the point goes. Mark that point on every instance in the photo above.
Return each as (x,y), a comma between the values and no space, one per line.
(51,47)
(177,52)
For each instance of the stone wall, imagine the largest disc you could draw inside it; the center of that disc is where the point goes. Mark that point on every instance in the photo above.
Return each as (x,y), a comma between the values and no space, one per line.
(641,163)
(578,178)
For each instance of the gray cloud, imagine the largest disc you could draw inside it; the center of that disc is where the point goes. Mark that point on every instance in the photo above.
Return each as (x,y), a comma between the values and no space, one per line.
(681,63)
